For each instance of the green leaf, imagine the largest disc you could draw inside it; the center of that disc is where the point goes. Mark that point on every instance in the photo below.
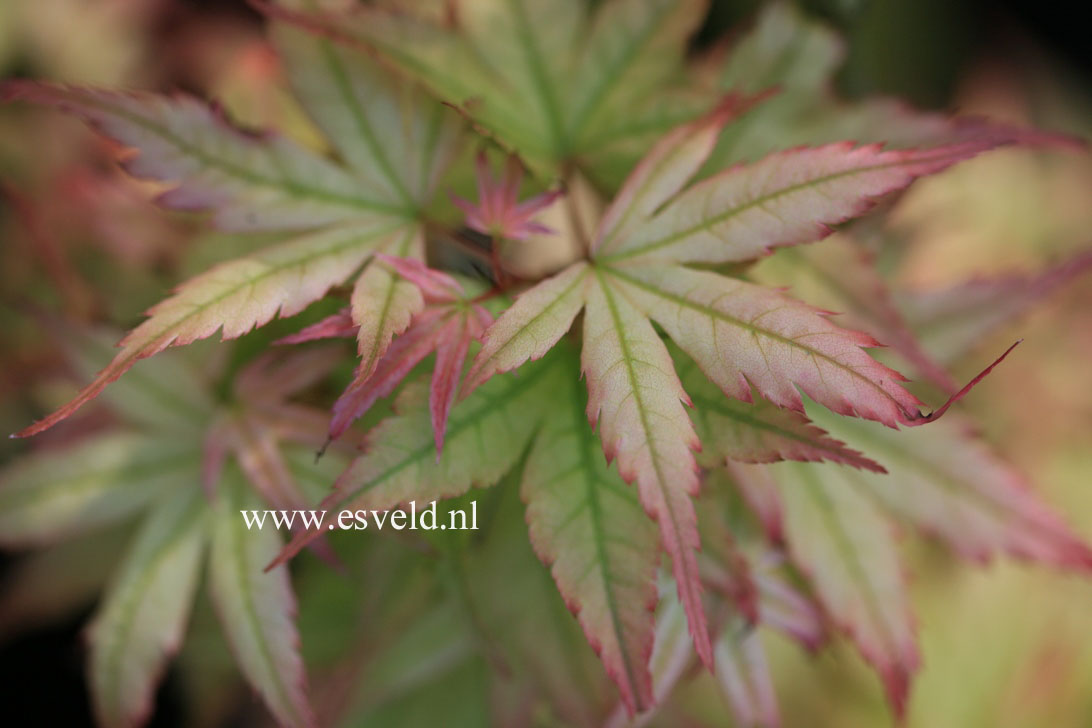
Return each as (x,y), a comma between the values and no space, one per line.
(257,609)
(252,182)
(58,493)
(486,435)
(589,527)
(394,138)
(747,337)
(142,618)
(511,65)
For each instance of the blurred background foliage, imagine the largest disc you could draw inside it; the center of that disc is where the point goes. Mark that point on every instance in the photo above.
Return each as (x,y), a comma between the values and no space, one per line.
(1005,647)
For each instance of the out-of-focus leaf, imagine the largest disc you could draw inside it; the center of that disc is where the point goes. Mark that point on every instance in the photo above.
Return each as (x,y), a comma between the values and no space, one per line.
(257,608)
(57,493)
(743,674)
(237,296)
(170,394)
(553,660)
(511,64)
(947,482)
(392,138)
(841,276)
(952,320)
(844,545)
(252,182)
(140,623)
(588,525)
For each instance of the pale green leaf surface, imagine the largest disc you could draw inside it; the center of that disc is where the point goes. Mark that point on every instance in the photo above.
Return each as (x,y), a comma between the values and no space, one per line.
(532,325)
(636,400)
(393,137)
(588,525)
(746,336)
(237,296)
(58,493)
(257,609)
(142,618)
(844,545)
(961,491)
(252,182)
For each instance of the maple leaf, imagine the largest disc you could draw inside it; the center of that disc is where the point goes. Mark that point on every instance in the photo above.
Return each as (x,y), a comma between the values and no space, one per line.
(546,77)
(747,339)
(268,182)
(154,466)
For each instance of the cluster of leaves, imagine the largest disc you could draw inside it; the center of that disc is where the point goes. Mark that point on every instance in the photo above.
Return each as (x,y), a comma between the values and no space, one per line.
(669,179)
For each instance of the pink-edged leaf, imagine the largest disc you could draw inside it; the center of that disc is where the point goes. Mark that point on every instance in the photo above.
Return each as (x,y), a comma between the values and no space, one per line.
(436,286)
(637,401)
(788,198)
(844,546)
(951,321)
(402,356)
(142,618)
(383,303)
(337,326)
(663,172)
(452,345)
(237,296)
(531,326)
(256,608)
(963,493)
(252,182)
(588,526)
(743,674)
(757,431)
(745,336)
(486,435)
(841,276)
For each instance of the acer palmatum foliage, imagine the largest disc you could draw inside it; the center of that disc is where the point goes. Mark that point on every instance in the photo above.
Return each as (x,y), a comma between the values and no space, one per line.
(669,179)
